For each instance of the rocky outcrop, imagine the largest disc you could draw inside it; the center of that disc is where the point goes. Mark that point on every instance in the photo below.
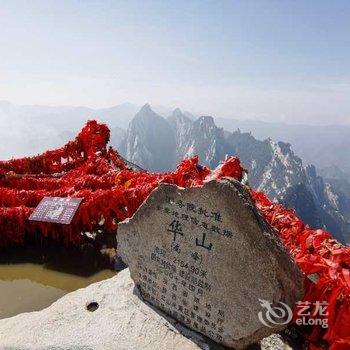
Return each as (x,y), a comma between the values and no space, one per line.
(149,141)
(211,261)
(181,126)
(207,141)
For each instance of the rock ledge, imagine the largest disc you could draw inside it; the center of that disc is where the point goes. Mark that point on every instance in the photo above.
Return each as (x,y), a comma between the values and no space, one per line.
(121,321)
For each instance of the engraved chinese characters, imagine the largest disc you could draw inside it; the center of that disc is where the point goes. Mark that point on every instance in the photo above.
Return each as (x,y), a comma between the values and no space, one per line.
(206,256)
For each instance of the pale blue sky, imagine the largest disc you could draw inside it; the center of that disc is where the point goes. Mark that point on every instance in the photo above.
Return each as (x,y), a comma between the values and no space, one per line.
(272,60)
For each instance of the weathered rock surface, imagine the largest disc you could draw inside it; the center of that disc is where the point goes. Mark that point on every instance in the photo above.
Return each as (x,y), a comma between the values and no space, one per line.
(122,321)
(206,256)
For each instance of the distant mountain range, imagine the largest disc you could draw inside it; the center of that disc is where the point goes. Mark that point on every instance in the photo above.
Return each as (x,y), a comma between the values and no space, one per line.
(326,147)
(158,144)
(29,129)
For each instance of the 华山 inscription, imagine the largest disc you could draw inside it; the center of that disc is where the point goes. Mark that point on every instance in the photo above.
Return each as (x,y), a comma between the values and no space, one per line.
(205,256)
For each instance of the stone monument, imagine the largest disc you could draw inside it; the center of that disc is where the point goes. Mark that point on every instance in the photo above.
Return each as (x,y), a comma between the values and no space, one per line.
(207,257)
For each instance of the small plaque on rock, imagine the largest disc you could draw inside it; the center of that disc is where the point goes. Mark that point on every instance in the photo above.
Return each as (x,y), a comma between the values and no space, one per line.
(56,209)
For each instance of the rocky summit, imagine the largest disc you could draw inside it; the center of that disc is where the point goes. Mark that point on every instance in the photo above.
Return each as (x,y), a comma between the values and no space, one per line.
(207,257)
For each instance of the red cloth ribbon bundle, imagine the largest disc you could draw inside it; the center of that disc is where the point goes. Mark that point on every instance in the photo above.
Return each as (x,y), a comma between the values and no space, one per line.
(83,168)
(112,192)
(317,254)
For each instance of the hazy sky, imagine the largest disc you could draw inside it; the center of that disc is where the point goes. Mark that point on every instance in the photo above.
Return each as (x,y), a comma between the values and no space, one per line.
(272,60)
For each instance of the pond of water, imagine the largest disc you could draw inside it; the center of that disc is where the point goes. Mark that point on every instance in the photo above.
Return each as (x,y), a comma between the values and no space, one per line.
(30,287)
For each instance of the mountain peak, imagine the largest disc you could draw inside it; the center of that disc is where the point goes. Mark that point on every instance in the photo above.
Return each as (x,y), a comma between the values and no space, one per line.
(146,108)
(146,113)
(149,141)
(177,117)
(206,120)
(177,112)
